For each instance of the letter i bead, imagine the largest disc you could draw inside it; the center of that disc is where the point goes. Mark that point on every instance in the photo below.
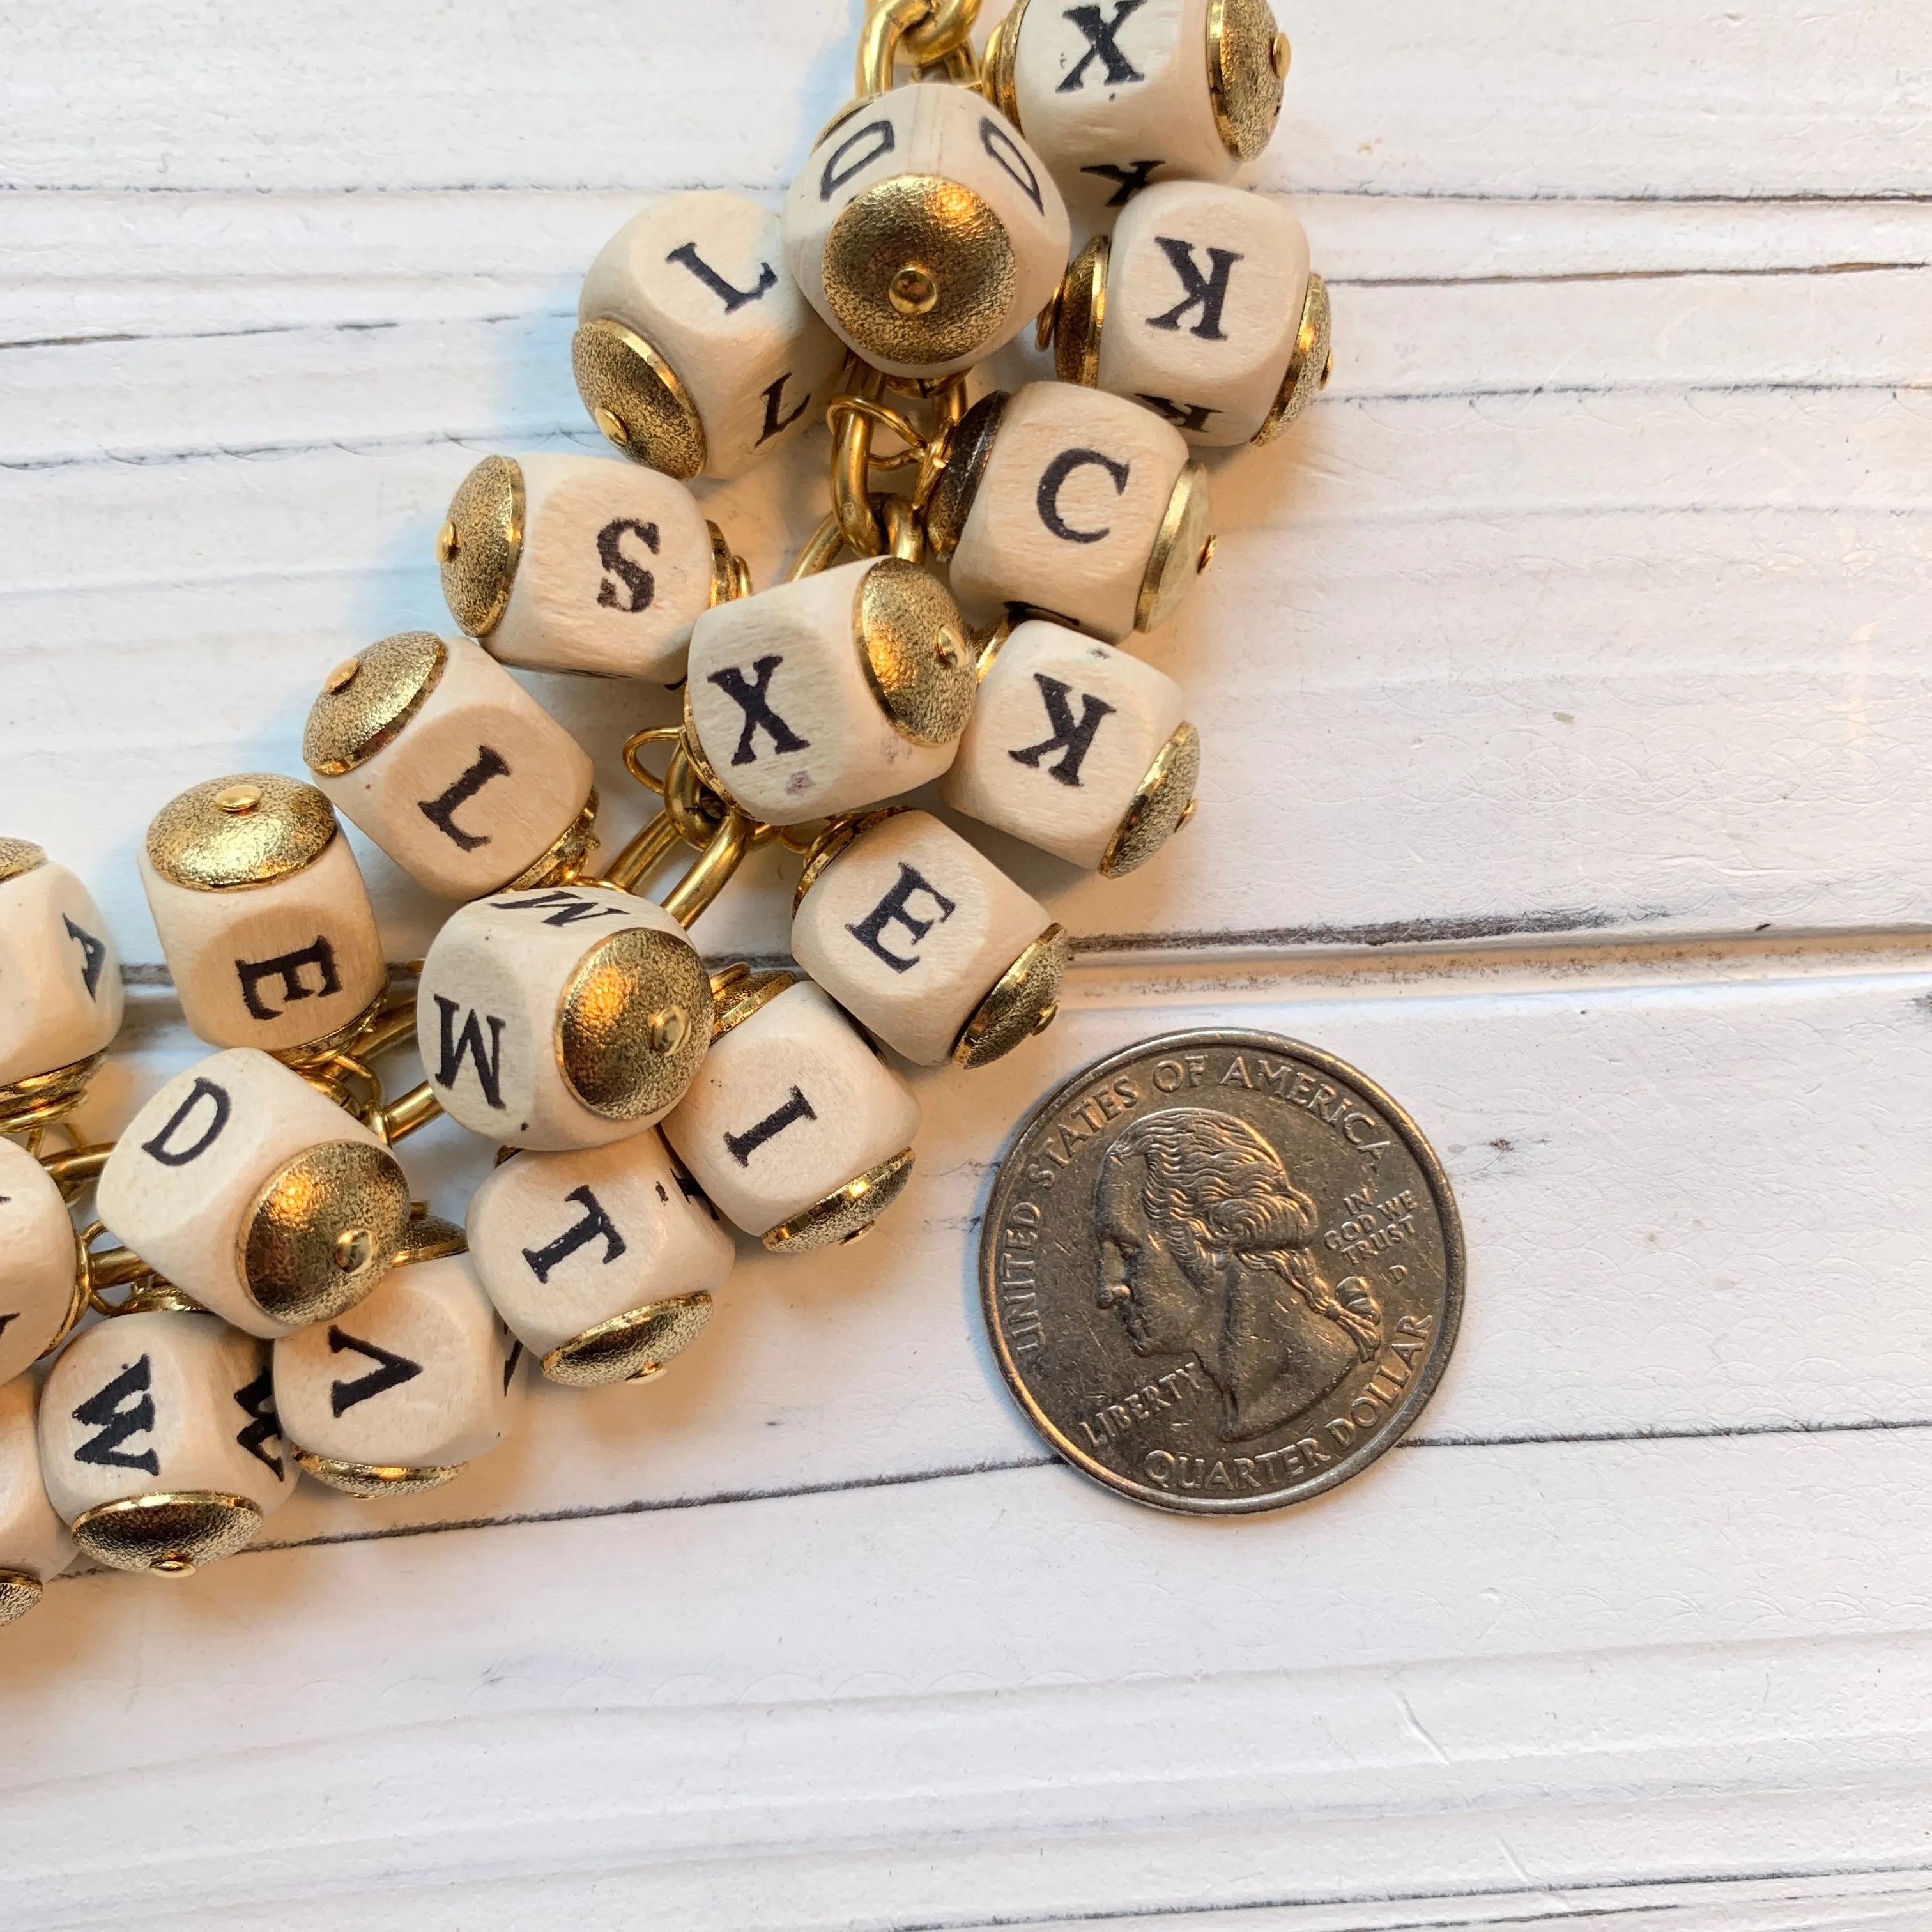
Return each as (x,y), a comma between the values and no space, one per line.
(925,941)
(795,1127)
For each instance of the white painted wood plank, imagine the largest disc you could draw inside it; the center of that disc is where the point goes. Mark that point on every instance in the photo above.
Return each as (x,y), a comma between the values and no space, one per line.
(1637,100)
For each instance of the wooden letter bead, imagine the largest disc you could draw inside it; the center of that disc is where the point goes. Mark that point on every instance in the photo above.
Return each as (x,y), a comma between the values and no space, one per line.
(1206,291)
(925,231)
(926,941)
(448,763)
(39,1262)
(833,692)
(567,1017)
(1085,506)
(420,1379)
(60,977)
(160,1445)
(604,1262)
(795,1128)
(35,1545)
(1129,92)
(255,1195)
(1078,748)
(262,914)
(579,564)
(695,351)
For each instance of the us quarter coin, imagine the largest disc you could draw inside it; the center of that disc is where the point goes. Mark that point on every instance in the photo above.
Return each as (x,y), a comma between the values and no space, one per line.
(1221,1272)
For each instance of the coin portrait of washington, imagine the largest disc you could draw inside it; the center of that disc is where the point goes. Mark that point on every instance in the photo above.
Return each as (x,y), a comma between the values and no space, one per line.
(1221,1272)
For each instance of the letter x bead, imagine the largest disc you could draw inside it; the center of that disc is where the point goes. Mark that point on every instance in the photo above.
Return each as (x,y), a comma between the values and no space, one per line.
(262,914)
(830,693)
(911,928)
(437,752)
(1088,508)
(254,1194)
(1063,744)
(60,977)
(40,1261)
(399,1393)
(35,1545)
(795,1127)
(162,1405)
(568,1016)
(566,1243)
(695,350)
(577,563)
(1119,93)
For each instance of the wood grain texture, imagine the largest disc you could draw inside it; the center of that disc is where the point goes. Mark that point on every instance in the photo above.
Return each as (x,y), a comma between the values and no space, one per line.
(1562,680)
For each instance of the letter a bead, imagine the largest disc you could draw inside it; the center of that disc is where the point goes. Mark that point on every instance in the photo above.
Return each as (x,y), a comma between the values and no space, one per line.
(565,1018)
(925,231)
(925,941)
(160,1443)
(1072,502)
(1076,748)
(449,764)
(604,1262)
(262,914)
(39,1262)
(695,351)
(574,563)
(35,1545)
(1117,94)
(396,1396)
(60,979)
(254,1194)
(830,693)
(795,1127)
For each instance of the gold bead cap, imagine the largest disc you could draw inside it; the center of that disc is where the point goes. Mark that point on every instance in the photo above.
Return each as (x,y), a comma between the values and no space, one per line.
(322,1231)
(997,68)
(1024,1001)
(480,544)
(369,1480)
(1180,551)
(634,1023)
(231,833)
(19,1594)
(838,834)
(739,993)
(428,1237)
(635,397)
(367,699)
(1309,367)
(629,1348)
(920,271)
(172,1533)
(847,1212)
(1247,73)
(1079,313)
(969,444)
(18,857)
(912,643)
(1162,806)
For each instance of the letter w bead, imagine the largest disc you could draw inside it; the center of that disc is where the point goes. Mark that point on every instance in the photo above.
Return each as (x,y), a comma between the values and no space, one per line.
(391,1371)
(111,1411)
(543,1262)
(1208,293)
(561,906)
(1073,740)
(457,1046)
(751,699)
(1101,44)
(257,1402)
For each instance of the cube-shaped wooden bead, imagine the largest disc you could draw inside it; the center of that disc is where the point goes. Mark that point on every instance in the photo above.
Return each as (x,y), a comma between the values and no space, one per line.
(1074,502)
(926,941)
(695,351)
(576,563)
(568,1017)
(795,1128)
(420,1378)
(604,1262)
(35,1545)
(1207,304)
(833,692)
(254,1194)
(925,231)
(160,1445)
(1078,748)
(39,1262)
(447,763)
(60,976)
(1129,92)
(262,914)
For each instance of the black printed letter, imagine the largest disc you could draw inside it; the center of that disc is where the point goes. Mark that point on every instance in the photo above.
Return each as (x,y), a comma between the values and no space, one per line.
(1077,738)
(891,910)
(1184,416)
(595,1222)
(883,139)
(639,585)
(1001,147)
(1208,293)
(391,1371)
(572,907)
(1132,178)
(93,956)
(1100,41)
(441,812)
(751,700)
(257,1401)
(469,1043)
(105,1412)
(742,1147)
(287,968)
(1062,466)
(775,424)
(689,257)
(202,1090)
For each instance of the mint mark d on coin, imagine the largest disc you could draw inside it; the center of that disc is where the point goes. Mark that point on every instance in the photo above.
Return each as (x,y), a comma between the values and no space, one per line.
(1221,1271)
